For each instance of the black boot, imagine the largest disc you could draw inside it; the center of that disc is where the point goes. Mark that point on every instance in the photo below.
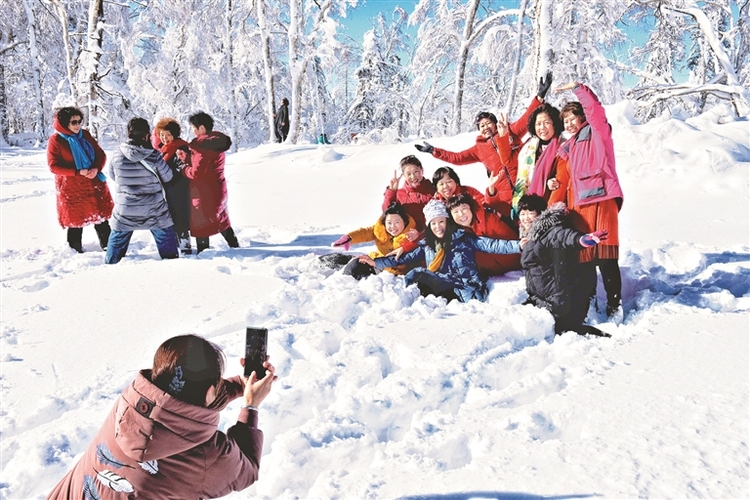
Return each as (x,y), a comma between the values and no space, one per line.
(201,244)
(591,330)
(74,238)
(102,231)
(231,238)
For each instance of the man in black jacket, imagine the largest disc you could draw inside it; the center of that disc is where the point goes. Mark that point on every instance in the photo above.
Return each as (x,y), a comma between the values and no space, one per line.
(282,121)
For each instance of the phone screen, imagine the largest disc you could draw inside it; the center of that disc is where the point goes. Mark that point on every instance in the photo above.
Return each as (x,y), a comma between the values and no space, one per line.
(256,341)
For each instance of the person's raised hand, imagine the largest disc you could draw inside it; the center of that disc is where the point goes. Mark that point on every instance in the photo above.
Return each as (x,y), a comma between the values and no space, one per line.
(502,124)
(491,183)
(425,147)
(345,241)
(592,239)
(567,86)
(393,185)
(544,84)
(257,389)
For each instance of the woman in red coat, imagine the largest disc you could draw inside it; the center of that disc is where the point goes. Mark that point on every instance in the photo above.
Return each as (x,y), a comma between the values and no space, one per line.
(484,221)
(208,188)
(414,194)
(83,197)
(447,184)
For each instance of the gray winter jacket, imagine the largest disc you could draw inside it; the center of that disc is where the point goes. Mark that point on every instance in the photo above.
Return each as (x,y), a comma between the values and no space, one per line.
(139,198)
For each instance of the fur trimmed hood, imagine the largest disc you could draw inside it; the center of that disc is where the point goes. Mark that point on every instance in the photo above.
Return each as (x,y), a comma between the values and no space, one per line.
(553,216)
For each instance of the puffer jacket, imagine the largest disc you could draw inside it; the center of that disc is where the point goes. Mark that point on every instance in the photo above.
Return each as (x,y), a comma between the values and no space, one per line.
(591,154)
(554,278)
(155,446)
(459,266)
(384,242)
(413,200)
(80,201)
(140,201)
(208,186)
(486,151)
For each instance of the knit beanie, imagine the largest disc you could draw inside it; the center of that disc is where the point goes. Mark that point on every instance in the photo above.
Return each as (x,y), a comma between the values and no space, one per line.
(433,209)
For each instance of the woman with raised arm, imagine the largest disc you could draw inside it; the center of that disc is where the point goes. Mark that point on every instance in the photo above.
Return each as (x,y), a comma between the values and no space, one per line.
(83,197)
(415,192)
(589,184)
(162,437)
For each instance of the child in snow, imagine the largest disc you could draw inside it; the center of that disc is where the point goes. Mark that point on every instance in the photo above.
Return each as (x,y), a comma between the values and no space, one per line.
(554,278)
(450,254)
(391,231)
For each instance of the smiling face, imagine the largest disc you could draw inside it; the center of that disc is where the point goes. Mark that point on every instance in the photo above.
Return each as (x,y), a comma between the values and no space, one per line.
(413,175)
(394,224)
(572,123)
(487,127)
(166,136)
(462,215)
(526,217)
(544,127)
(446,186)
(438,225)
(75,123)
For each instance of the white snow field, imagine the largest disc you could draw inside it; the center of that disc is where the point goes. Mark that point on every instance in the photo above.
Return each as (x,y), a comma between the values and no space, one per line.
(382,393)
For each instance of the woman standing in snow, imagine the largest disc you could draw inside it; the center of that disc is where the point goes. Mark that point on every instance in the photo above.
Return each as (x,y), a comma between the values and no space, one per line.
(161,439)
(140,200)
(76,159)
(589,184)
(450,254)
(166,138)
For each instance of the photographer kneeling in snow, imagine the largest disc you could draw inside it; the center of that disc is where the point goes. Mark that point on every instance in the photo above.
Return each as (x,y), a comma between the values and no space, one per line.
(450,254)
(555,280)
(161,439)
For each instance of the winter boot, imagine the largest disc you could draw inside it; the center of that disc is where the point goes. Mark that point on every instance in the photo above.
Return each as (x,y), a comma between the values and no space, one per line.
(231,238)
(183,241)
(102,232)
(591,330)
(201,244)
(74,238)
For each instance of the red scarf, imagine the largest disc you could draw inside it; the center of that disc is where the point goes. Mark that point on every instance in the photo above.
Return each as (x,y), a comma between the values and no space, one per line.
(169,150)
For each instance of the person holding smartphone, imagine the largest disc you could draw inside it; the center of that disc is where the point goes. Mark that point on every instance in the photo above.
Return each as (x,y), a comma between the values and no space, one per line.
(161,439)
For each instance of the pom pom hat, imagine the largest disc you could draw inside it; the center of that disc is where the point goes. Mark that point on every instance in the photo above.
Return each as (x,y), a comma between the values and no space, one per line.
(434,209)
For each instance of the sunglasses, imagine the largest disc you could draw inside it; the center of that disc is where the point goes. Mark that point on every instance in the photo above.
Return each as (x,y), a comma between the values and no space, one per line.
(75,122)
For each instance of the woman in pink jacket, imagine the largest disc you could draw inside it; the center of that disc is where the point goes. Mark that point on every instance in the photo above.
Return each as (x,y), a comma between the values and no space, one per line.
(589,184)
(161,439)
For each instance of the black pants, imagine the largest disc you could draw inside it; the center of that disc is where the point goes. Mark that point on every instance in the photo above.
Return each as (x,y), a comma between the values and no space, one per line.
(612,280)
(75,235)
(228,234)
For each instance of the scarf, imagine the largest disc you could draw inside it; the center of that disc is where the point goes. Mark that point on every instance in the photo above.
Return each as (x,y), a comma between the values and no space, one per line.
(533,171)
(83,152)
(438,260)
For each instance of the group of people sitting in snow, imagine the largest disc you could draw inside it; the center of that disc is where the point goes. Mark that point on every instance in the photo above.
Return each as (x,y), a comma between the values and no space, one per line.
(166,185)
(550,208)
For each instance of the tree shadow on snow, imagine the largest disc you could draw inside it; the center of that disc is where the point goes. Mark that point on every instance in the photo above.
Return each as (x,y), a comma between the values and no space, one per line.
(494,495)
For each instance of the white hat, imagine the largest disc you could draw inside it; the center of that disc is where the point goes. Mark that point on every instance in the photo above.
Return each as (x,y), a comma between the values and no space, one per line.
(433,209)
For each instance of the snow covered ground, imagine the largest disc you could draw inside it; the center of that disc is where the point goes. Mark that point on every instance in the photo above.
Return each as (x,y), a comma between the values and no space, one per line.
(384,394)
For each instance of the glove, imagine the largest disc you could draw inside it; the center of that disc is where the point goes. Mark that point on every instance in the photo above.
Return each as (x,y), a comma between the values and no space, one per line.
(345,241)
(591,239)
(424,147)
(544,84)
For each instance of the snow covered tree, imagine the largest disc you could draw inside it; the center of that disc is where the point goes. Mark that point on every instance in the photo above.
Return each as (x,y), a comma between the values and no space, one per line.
(380,101)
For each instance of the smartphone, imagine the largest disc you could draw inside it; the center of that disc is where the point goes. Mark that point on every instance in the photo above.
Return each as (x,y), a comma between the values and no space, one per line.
(256,343)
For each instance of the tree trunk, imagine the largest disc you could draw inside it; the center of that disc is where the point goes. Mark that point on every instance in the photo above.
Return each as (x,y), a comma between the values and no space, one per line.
(62,15)
(265,42)
(463,55)
(36,76)
(94,49)
(543,53)
(517,60)
(230,75)
(296,67)
(4,126)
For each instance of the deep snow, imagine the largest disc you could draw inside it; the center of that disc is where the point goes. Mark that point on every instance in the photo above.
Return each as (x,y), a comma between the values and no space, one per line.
(384,394)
